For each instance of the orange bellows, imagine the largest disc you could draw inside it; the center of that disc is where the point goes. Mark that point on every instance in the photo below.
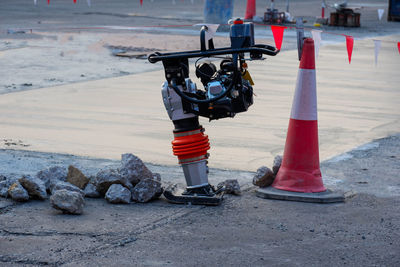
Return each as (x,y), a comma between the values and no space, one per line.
(300,171)
(250,9)
(190,146)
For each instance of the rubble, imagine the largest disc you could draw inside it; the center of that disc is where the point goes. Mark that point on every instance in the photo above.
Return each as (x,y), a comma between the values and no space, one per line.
(118,194)
(76,177)
(59,185)
(231,186)
(133,169)
(35,187)
(67,201)
(264,177)
(146,190)
(105,178)
(18,193)
(277,164)
(90,191)
(5,185)
(68,189)
(4,189)
(52,175)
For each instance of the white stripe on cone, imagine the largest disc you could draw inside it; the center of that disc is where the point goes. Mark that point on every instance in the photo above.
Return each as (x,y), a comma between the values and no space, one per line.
(305,97)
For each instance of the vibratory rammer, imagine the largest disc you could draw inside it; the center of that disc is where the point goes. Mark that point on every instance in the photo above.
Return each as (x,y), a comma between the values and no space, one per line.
(227,91)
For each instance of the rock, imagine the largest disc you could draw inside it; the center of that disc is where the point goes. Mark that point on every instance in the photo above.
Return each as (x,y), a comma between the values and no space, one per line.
(90,191)
(4,186)
(231,186)
(117,193)
(52,175)
(67,186)
(4,189)
(35,187)
(2,178)
(264,177)
(133,169)
(146,190)
(18,193)
(67,201)
(106,178)
(277,164)
(76,177)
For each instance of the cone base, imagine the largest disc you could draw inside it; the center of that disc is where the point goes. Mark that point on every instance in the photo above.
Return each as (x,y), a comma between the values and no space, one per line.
(322,197)
(309,181)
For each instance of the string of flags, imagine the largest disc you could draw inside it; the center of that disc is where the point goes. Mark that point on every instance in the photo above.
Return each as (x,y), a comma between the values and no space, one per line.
(277,32)
(48,2)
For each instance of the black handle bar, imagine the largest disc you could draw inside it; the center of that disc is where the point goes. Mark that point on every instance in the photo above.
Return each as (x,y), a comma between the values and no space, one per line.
(261,49)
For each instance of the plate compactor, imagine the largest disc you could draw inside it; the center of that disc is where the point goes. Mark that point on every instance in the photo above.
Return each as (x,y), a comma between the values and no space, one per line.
(227,91)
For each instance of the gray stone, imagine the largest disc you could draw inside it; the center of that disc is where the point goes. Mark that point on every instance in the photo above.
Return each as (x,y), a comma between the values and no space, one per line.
(117,193)
(133,169)
(90,191)
(65,185)
(52,175)
(264,177)
(18,193)
(35,187)
(277,164)
(231,186)
(67,201)
(76,177)
(2,178)
(3,190)
(4,186)
(106,178)
(146,190)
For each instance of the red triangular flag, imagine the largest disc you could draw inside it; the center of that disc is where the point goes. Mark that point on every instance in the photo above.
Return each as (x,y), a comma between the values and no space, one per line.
(141,2)
(398,46)
(349,45)
(277,31)
(48,2)
(74,1)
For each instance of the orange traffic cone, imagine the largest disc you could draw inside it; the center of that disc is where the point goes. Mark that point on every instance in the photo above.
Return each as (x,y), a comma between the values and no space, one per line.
(299,177)
(250,9)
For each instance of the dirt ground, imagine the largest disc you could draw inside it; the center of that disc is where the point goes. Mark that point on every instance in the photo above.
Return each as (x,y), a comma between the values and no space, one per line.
(66,99)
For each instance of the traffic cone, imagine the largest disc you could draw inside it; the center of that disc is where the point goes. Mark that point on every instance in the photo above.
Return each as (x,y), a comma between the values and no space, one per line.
(250,9)
(299,177)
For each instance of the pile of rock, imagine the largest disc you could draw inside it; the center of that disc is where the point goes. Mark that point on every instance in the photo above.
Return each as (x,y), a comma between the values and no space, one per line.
(265,176)
(133,181)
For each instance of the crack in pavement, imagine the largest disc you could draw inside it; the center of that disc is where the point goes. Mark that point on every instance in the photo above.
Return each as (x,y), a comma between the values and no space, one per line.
(13,259)
(51,233)
(131,237)
(114,240)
